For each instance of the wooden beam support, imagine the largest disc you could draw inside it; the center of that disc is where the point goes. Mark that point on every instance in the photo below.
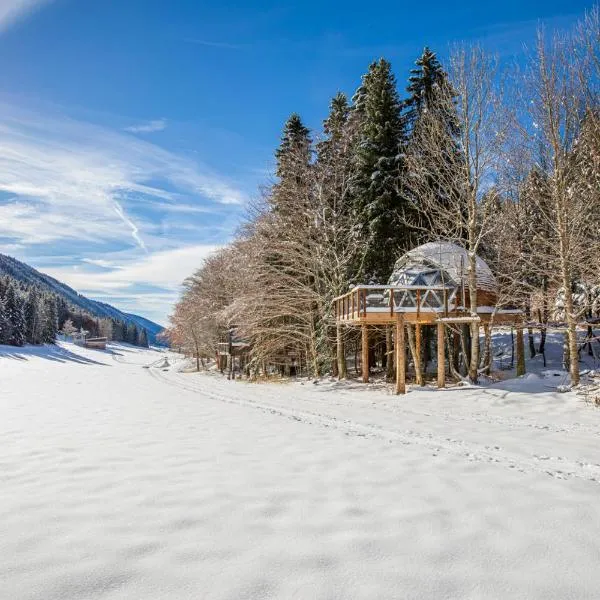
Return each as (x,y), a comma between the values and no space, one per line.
(441,355)
(365,353)
(400,352)
(418,354)
(520,351)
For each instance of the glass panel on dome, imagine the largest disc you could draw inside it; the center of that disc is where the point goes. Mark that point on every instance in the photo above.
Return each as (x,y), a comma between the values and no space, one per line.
(431,300)
(409,300)
(432,278)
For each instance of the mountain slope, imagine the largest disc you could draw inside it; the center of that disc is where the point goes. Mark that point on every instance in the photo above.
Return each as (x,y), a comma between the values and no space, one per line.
(26,274)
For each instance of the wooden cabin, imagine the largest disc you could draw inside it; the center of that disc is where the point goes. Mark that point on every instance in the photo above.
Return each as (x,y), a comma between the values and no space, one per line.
(97,343)
(428,287)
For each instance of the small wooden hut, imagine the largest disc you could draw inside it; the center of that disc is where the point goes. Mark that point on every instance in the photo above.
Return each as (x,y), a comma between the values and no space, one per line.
(428,287)
(97,343)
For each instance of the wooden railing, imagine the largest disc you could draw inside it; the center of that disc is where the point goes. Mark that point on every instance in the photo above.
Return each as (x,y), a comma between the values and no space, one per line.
(364,299)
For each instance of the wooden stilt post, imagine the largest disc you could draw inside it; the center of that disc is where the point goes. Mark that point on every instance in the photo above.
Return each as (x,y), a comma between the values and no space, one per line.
(400,356)
(365,353)
(487,349)
(441,355)
(418,347)
(520,351)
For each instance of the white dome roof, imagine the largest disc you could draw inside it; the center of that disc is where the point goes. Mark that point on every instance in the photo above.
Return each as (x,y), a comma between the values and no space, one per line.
(451,260)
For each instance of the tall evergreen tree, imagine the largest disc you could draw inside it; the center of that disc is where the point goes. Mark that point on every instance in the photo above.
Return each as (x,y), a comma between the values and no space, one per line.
(132,334)
(117,331)
(50,327)
(378,145)
(293,164)
(143,339)
(5,327)
(13,307)
(33,317)
(428,85)
(335,143)
(430,116)
(295,146)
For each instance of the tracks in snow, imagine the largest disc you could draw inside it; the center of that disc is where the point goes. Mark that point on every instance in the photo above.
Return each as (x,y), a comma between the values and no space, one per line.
(557,467)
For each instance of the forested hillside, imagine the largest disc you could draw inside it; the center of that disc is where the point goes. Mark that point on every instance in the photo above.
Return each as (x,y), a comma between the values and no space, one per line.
(35,307)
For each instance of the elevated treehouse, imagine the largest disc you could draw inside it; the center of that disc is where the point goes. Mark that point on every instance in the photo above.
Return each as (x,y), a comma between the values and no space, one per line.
(428,287)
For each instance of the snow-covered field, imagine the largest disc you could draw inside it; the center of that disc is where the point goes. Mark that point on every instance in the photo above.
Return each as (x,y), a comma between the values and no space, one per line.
(124,482)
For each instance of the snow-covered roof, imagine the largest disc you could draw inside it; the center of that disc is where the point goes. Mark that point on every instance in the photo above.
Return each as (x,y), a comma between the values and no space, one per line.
(448,259)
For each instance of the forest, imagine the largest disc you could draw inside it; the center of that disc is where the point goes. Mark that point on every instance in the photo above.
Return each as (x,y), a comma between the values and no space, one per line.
(501,158)
(30,314)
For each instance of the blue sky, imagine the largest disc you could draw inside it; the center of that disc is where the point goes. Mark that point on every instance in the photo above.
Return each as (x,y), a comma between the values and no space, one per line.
(133,133)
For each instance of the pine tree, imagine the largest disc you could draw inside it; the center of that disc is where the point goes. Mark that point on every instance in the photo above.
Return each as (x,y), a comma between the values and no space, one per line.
(295,146)
(378,146)
(50,325)
(428,84)
(13,307)
(33,317)
(117,331)
(4,323)
(335,143)
(430,113)
(293,167)
(143,339)
(131,334)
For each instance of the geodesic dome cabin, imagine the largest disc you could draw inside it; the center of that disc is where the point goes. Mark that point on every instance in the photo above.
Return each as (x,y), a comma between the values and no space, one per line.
(435,278)
(429,286)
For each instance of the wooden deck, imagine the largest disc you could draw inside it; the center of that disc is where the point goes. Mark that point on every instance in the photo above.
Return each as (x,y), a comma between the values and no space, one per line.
(417,306)
(381,305)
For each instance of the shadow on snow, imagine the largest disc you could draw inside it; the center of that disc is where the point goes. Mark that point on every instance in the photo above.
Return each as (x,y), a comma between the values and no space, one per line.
(47,352)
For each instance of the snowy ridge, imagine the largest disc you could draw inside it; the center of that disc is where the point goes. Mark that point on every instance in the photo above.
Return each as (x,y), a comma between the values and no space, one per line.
(24,273)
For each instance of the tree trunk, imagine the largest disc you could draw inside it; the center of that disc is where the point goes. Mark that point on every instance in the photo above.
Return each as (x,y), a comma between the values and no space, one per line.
(520,352)
(465,345)
(197,355)
(567,280)
(455,353)
(441,357)
(341,353)
(572,337)
(543,320)
(415,355)
(530,339)
(453,349)
(365,353)
(474,363)
(400,352)
(487,350)
(566,352)
(512,348)
(389,349)
(314,352)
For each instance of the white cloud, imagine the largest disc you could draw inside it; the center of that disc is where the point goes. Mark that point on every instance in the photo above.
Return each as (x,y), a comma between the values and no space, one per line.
(13,10)
(99,262)
(67,179)
(149,127)
(118,280)
(166,269)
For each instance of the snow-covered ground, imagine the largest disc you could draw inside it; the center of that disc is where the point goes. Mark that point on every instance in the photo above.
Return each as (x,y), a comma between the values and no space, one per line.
(124,482)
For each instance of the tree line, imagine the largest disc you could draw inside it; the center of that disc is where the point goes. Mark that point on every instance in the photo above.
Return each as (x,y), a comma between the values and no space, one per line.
(501,159)
(29,315)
